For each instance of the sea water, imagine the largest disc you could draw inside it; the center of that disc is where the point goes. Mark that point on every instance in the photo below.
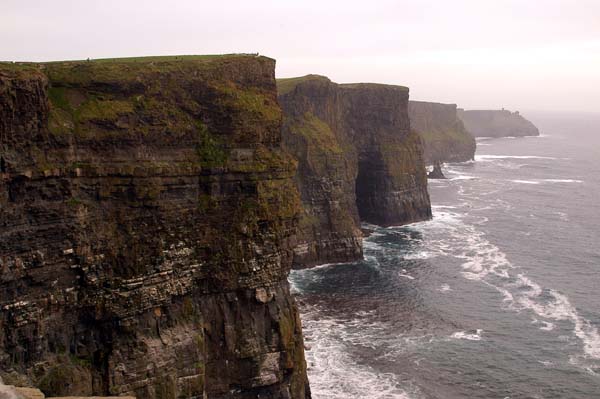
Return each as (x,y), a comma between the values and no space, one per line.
(498,296)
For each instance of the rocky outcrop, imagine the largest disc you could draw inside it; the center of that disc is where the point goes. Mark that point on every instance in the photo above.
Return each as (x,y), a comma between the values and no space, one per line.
(10,392)
(445,138)
(497,123)
(436,172)
(358,161)
(147,217)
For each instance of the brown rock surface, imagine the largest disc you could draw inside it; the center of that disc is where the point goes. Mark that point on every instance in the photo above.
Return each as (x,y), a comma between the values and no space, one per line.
(358,161)
(143,205)
(445,138)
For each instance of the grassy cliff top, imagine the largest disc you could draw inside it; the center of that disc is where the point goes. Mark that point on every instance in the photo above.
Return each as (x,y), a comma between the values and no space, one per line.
(372,86)
(286,85)
(119,67)
(432,103)
(145,59)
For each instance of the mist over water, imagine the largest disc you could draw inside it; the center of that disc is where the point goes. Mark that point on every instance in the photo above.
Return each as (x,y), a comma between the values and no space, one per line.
(496,297)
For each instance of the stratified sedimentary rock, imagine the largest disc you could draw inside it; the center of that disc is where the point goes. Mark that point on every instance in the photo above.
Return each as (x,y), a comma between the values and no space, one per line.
(445,138)
(497,123)
(146,223)
(358,161)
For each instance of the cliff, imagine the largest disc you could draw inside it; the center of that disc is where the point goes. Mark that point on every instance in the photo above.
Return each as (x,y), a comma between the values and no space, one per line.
(358,161)
(497,123)
(147,216)
(445,138)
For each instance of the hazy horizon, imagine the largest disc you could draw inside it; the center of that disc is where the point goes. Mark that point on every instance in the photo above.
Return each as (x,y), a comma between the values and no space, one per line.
(519,55)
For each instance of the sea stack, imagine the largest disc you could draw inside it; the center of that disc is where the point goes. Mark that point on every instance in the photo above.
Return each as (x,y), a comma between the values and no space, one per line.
(436,172)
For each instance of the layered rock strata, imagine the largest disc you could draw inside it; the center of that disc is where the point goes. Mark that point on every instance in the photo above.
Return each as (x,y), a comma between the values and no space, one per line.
(147,217)
(497,123)
(445,138)
(358,161)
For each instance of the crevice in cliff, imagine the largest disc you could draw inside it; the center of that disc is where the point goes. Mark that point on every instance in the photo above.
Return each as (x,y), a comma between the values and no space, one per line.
(366,188)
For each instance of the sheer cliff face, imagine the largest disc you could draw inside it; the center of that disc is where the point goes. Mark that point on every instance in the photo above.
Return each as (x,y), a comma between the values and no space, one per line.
(497,123)
(147,217)
(445,138)
(358,160)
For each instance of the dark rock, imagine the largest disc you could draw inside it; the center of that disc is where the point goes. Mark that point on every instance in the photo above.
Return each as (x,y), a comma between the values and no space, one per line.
(147,216)
(358,161)
(497,123)
(445,138)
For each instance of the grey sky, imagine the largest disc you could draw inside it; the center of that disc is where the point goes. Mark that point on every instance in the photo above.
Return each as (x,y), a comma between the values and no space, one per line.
(519,54)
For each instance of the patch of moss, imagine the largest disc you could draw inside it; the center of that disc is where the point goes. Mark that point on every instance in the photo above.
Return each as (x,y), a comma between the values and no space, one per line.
(107,110)
(278,199)
(165,387)
(250,101)
(58,98)
(264,159)
(210,150)
(206,203)
(319,136)
(73,202)
(70,376)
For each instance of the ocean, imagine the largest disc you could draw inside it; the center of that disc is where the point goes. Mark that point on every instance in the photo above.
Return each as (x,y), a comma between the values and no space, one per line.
(497,297)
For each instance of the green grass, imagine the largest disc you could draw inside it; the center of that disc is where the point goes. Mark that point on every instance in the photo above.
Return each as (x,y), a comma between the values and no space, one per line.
(318,134)
(170,58)
(210,150)
(286,85)
(372,86)
(250,100)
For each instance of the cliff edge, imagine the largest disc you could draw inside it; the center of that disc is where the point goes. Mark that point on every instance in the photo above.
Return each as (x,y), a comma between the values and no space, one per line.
(358,161)
(497,123)
(147,215)
(445,138)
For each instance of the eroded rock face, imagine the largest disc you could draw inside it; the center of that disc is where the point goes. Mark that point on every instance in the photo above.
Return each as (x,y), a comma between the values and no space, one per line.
(497,123)
(147,217)
(358,161)
(445,138)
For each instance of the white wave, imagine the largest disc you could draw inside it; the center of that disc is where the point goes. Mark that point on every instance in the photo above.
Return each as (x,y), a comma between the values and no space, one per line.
(525,181)
(463,177)
(468,335)
(562,180)
(370,245)
(294,289)
(485,262)
(562,216)
(584,364)
(547,326)
(333,371)
(444,288)
(547,181)
(418,255)
(406,276)
(488,158)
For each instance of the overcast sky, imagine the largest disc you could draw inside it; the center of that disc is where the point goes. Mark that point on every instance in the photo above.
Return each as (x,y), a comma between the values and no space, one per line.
(518,54)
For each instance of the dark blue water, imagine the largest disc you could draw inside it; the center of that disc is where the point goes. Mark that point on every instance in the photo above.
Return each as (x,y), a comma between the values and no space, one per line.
(497,297)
